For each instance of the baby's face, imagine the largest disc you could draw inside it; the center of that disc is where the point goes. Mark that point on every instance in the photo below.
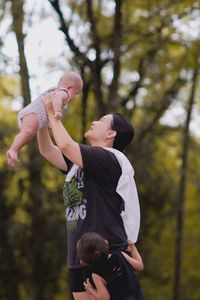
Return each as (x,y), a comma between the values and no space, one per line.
(72,82)
(73,91)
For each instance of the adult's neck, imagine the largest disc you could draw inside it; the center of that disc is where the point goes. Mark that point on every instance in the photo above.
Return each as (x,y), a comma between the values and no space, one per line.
(101,144)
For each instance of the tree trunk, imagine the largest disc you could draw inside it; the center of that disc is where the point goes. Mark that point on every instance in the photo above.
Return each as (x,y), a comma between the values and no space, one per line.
(18,19)
(34,165)
(113,97)
(9,271)
(181,197)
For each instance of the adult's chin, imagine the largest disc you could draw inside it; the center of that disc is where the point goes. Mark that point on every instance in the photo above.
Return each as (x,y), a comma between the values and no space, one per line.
(88,135)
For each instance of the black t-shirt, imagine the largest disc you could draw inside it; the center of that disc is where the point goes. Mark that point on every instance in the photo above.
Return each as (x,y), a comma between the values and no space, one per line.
(91,201)
(122,282)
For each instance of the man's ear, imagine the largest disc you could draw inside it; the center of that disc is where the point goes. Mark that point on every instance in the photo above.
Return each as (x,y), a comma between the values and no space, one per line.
(111,134)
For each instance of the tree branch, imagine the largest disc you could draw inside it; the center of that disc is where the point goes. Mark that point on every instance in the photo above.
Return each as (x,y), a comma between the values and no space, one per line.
(95,37)
(97,65)
(165,103)
(116,40)
(64,28)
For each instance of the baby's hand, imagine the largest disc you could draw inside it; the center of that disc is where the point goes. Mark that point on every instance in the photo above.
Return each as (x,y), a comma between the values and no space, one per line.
(58,115)
(48,103)
(66,94)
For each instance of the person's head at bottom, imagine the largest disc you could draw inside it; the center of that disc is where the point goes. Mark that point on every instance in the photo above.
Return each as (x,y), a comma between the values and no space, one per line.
(92,247)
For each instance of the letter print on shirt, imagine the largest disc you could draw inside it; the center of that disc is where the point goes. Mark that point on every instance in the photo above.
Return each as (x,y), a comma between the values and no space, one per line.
(73,199)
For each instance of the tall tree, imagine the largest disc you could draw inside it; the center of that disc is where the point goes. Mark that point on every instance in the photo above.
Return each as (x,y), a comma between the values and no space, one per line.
(9,270)
(182,188)
(39,237)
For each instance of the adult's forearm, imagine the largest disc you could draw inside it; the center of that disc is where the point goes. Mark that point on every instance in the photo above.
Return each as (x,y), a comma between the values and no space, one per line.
(62,138)
(66,144)
(50,151)
(64,141)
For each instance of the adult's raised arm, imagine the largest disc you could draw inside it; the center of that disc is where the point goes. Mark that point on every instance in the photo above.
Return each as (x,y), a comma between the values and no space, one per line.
(64,141)
(49,150)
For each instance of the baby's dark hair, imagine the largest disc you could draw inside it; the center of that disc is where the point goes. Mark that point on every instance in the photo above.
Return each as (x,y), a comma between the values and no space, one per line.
(92,247)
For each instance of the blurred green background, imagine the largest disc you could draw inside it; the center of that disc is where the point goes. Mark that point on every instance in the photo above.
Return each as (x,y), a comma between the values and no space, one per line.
(140,58)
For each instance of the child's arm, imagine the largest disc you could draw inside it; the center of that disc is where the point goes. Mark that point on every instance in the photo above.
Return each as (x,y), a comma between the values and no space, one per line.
(57,101)
(101,292)
(135,260)
(60,99)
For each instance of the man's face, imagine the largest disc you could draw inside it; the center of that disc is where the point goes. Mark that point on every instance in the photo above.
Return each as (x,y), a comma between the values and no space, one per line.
(100,129)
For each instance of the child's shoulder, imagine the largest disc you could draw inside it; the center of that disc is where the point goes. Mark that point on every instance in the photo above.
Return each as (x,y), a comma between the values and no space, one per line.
(43,94)
(51,89)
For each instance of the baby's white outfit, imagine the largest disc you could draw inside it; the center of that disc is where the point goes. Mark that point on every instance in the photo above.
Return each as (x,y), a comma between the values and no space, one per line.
(37,107)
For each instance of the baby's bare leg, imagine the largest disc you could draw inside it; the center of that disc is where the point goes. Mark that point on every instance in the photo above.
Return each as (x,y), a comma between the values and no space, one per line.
(29,127)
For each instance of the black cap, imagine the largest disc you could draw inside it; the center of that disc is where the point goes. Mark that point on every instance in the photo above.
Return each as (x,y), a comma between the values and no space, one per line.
(125,132)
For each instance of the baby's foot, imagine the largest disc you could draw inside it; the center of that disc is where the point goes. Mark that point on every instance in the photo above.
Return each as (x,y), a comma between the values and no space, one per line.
(12,157)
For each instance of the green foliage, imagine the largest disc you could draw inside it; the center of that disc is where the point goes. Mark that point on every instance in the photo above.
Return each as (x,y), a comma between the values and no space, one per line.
(156,62)
(157,166)
(28,241)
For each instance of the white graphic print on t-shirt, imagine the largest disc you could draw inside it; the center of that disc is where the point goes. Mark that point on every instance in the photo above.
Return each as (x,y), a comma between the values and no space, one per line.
(73,200)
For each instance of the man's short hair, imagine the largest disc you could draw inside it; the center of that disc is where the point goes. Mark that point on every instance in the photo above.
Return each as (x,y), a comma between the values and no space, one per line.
(124,130)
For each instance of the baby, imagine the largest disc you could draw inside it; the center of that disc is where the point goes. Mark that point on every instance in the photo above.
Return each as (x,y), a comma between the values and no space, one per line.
(33,116)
